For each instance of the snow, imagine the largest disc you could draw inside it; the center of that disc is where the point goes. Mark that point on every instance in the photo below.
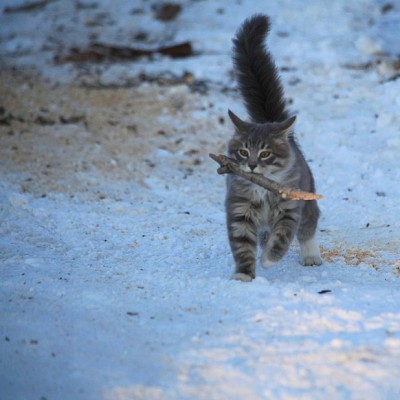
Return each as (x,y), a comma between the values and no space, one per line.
(115,265)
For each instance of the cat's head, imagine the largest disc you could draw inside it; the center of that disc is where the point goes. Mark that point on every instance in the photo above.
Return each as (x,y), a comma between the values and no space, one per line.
(261,148)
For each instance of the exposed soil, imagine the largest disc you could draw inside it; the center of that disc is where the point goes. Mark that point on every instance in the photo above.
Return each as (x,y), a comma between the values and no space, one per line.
(53,132)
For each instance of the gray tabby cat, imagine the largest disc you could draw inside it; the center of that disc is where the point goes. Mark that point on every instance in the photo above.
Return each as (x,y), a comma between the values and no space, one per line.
(267,146)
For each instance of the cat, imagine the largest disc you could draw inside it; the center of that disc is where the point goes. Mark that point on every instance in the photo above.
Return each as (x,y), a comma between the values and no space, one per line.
(266,145)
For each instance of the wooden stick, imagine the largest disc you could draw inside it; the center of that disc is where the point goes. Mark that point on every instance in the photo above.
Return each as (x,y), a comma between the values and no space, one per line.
(229,166)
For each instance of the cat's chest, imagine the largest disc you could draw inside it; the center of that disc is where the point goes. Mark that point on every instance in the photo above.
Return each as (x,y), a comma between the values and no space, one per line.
(258,194)
(266,201)
(261,199)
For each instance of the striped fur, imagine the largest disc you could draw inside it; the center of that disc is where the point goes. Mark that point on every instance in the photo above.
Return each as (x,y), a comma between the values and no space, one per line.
(265,145)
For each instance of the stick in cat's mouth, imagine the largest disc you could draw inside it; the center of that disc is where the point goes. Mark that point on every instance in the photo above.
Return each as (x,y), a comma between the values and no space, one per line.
(229,166)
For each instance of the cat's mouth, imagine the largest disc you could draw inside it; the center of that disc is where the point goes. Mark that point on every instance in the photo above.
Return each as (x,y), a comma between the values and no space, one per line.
(267,172)
(256,170)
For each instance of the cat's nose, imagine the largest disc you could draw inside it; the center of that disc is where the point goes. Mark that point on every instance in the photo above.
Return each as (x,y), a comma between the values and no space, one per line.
(252,166)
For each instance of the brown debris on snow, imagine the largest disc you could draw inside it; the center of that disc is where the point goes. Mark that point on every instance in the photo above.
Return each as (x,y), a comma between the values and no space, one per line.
(351,256)
(100,52)
(66,138)
(30,6)
(167,11)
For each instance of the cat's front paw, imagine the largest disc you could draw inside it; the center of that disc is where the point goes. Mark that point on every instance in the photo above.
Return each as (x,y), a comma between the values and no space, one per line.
(310,261)
(266,262)
(239,276)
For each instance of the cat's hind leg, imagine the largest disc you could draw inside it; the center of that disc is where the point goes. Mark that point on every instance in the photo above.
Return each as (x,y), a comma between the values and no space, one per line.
(309,250)
(310,253)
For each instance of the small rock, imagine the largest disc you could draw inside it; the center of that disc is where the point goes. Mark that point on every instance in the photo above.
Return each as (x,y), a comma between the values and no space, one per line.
(167,11)
(132,313)
(324,291)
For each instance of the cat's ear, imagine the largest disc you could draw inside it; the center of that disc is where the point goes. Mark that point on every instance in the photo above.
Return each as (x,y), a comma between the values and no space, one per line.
(285,128)
(240,125)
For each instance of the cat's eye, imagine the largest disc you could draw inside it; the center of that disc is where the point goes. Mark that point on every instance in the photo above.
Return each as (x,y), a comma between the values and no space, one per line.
(264,154)
(244,153)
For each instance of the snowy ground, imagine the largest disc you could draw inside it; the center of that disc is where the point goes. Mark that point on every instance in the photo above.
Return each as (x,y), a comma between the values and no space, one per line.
(115,266)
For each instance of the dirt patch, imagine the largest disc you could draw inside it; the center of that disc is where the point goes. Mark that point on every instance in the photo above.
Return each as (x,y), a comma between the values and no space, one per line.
(355,256)
(351,256)
(66,138)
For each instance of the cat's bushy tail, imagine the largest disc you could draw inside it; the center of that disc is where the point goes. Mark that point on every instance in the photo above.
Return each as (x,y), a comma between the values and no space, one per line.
(257,74)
